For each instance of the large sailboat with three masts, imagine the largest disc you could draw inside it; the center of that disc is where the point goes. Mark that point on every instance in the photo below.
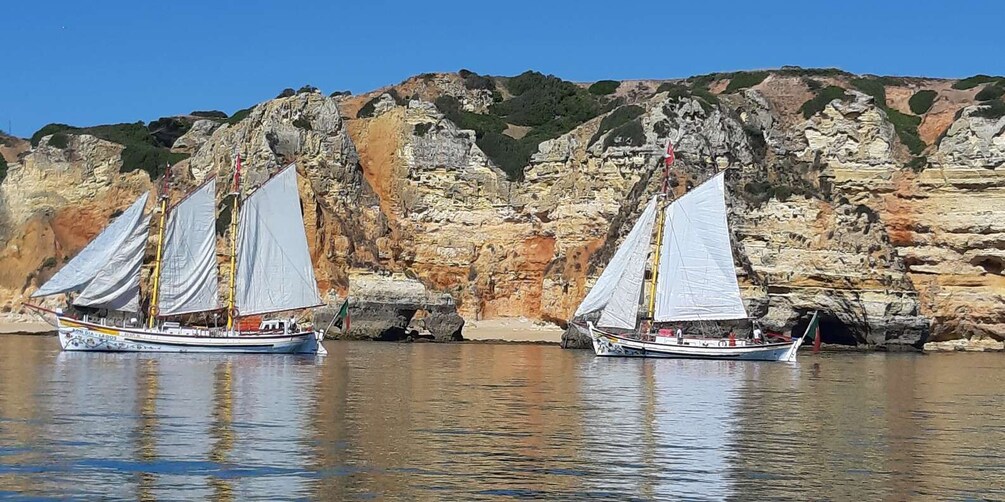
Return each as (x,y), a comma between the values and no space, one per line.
(270,273)
(693,285)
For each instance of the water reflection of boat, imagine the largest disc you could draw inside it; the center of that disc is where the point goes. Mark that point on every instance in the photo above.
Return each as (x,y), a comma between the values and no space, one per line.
(693,281)
(196,423)
(270,272)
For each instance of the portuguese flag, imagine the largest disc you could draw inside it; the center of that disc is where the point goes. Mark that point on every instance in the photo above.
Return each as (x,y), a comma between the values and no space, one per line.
(343,315)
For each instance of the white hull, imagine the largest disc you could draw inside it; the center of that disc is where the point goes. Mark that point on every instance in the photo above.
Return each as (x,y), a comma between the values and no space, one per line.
(613,345)
(89,337)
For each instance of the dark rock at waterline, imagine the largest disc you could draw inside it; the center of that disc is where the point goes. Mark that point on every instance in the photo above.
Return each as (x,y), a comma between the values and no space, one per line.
(368,320)
(384,308)
(444,323)
(575,338)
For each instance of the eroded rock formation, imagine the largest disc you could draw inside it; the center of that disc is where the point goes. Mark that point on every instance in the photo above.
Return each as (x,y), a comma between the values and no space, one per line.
(834,208)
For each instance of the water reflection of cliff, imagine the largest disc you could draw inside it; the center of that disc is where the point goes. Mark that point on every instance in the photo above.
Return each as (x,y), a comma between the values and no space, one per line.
(463,421)
(882,427)
(403,420)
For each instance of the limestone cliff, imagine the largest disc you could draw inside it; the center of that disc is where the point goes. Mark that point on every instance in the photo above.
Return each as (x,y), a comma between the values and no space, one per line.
(878,201)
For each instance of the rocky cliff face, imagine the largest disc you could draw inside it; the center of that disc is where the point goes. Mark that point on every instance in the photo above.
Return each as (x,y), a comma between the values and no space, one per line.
(848,194)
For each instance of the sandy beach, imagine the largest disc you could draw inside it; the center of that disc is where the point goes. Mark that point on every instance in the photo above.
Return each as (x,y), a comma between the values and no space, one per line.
(25,328)
(515,329)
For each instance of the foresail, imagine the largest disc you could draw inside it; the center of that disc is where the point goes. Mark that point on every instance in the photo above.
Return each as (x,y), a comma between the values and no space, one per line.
(117,284)
(697,278)
(619,287)
(274,269)
(82,269)
(189,279)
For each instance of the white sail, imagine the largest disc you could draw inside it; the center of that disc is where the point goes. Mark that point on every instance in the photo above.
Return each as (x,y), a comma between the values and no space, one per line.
(188,279)
(697,278)
(117,284)
(82,269)
(619,288)
(274,269)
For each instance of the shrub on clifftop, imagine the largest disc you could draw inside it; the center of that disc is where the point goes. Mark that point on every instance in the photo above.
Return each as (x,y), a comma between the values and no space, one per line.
(974,81)
(604,87)
(922,101)
(745,79)
(991,92)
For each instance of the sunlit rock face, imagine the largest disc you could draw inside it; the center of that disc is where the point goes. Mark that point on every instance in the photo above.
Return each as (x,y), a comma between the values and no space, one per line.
(830,210)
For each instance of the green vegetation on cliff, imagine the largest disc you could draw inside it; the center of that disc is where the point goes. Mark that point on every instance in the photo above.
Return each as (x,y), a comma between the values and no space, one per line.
(819,101)
(240,115)
(905,125)
(907,130)
(744,79)
(873,87)
(922,101)
(676,91)
(604,87)
(209,114)
(368,108)
(619,117)
(547,105)
(991,92)
(3,168)
(991,110)
(145,148)
(974,81)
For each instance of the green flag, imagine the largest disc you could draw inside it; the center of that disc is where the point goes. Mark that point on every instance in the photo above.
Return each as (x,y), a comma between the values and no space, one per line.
(343,315)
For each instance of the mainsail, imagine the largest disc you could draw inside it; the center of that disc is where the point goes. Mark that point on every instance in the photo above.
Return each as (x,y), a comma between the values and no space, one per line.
(188,277)
(697,278)
(107,270)
(274,269)
(619,287)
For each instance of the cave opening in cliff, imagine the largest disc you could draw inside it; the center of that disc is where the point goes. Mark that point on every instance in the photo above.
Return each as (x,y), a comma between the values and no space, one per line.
(832,330)
(990,264)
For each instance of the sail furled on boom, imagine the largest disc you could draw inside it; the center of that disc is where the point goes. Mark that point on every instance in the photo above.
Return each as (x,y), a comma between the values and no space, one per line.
(117,284)
(189,281)
(619,287)
(697,277)
(115,243)
(274,269)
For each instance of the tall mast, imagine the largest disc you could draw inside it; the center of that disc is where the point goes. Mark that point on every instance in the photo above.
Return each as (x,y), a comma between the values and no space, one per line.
(155,294)
(233,242)
(668,159)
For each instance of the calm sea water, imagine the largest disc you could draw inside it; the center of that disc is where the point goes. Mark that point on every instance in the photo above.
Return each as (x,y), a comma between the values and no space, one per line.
(467,421)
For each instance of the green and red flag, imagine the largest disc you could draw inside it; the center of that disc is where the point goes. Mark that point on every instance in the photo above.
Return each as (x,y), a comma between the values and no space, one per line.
(342,317)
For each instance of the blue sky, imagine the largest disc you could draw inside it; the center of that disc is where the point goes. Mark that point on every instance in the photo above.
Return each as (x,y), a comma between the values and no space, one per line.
(93,62)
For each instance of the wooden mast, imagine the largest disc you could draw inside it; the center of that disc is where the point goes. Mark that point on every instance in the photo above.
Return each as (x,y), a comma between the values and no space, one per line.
(668,159)
(155,294)
(234,208)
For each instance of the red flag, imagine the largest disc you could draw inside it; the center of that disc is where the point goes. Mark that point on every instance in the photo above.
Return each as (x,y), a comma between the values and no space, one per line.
(167,179)
(237,172)
(668,157)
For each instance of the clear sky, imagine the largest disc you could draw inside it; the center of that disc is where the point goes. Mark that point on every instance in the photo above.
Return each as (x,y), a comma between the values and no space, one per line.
(102,61)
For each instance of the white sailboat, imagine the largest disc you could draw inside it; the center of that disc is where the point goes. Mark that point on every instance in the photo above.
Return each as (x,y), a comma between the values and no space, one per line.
(693,280)
(271,272)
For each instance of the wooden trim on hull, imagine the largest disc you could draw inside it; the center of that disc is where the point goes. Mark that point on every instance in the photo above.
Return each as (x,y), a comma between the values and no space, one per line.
(611,345)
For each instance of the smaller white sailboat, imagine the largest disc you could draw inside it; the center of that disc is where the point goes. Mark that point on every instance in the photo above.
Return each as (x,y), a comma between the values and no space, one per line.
(693,281)
(271,272)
